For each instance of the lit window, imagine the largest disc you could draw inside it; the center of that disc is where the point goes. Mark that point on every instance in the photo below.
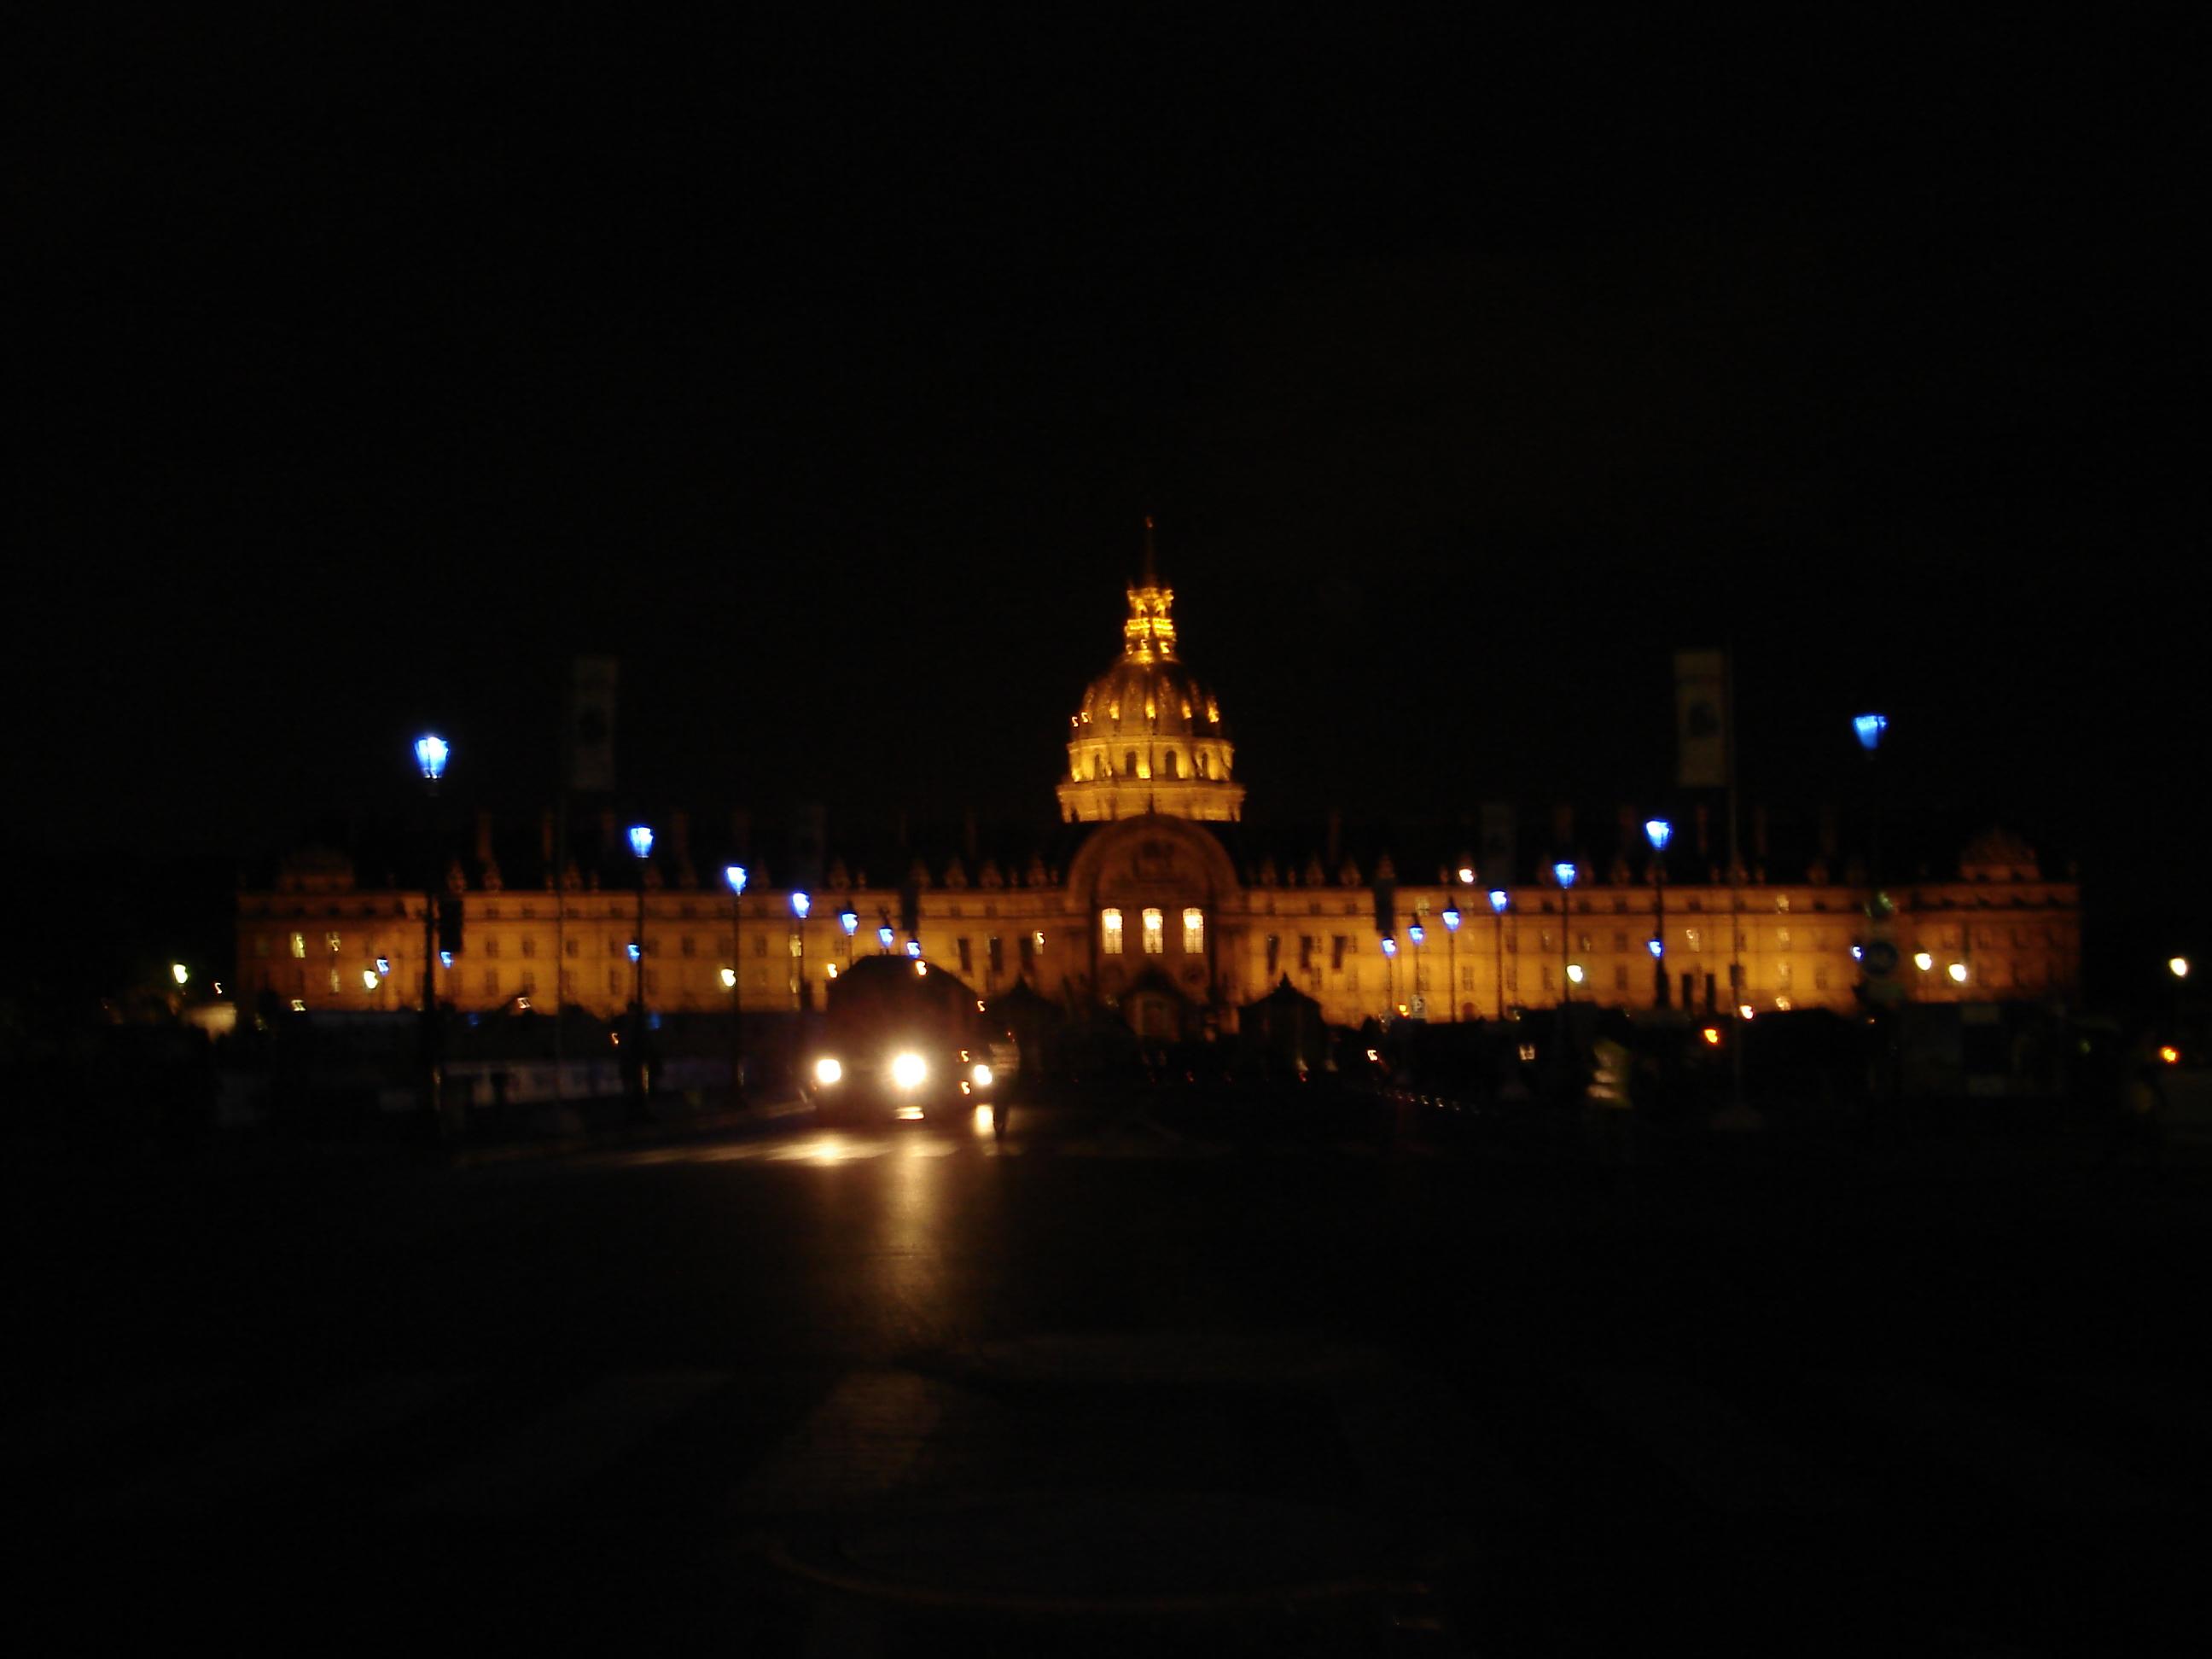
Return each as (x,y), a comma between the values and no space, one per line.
(1782,938)
(299,944)
(1109,932)
(334,978)
(1690,937)
(1156,933)
(331,941)
(1782,902)
(1193,932)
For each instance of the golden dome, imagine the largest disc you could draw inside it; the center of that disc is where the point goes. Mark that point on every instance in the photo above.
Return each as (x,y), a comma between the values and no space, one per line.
(1148,737)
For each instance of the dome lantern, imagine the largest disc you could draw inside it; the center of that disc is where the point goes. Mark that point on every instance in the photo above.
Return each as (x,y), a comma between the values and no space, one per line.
(1148,737)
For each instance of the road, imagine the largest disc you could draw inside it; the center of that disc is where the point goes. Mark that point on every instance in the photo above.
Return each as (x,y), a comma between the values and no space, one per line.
(1114,1384)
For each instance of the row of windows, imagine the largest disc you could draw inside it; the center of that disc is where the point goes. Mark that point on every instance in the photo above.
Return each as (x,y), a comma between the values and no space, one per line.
(1154,922)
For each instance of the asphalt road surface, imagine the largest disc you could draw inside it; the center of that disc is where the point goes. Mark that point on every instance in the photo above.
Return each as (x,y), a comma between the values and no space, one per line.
(1116,1384)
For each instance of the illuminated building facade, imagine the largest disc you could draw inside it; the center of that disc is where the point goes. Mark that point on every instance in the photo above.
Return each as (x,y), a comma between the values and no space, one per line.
(1153,897)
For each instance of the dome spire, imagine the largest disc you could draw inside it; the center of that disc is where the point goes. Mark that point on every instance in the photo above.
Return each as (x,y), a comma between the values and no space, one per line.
(1149,636)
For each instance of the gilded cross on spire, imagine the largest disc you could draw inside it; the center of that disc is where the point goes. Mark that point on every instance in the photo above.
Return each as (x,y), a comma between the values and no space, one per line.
(1149,635)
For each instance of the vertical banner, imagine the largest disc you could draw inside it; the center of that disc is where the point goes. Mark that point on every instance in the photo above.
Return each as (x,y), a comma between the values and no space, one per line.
(1701,726)
(592,724)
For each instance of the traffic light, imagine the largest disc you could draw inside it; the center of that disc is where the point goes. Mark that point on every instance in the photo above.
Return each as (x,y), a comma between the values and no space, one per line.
(449,925)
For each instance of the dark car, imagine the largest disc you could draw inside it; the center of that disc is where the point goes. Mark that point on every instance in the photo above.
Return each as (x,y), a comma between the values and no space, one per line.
(903,1039)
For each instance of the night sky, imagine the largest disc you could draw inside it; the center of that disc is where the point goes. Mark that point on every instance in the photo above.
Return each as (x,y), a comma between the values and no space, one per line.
(824,368)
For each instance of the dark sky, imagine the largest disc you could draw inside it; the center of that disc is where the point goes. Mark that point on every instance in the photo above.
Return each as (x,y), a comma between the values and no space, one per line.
(822,367)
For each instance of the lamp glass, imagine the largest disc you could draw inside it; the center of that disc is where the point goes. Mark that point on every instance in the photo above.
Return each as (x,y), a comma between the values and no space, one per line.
(641,841)
(1499,899)
(430,753)
(1564,874)
(737,876)
(1451,918)
(1658,832)
(800,904)
(1869,728)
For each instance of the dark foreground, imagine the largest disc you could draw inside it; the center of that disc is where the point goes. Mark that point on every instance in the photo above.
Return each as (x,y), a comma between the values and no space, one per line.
(1134,1379)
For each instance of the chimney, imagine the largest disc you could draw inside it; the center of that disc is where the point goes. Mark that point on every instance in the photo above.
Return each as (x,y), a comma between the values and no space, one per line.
(679,836)
(1704,819)
(1335,838)
(483,836)
(545,840)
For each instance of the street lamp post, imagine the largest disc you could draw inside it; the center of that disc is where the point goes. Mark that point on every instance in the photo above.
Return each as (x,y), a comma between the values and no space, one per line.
(736,876)
(641,846)
(1658,832)
(1564,874)
(431,754)
(1389,977)
(800,904)
(1499,899)
(2178,968)
(1451,956)
(1419,935)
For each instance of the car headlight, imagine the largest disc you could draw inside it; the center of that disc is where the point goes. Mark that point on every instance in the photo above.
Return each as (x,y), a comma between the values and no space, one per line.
(981,1074)
(908,1070)
(827,1070)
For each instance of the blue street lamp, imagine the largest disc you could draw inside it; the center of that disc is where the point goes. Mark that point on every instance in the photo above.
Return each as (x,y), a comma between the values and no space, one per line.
(1499,899)
(1451,954)
(1564,874)
(641,846)
(1418,935)
(800,904)
(431,754)
(886,936)
(849,920)
(735,876)
(1659,832)
(1870,729)
(1390,976)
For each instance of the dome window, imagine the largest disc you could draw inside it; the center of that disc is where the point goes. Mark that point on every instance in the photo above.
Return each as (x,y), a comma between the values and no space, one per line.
(1186,711)
(1109,932)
